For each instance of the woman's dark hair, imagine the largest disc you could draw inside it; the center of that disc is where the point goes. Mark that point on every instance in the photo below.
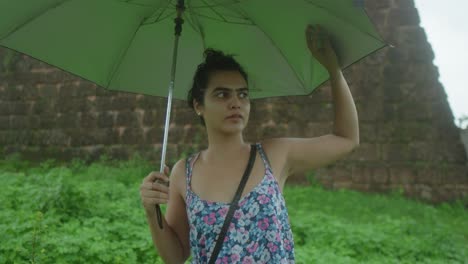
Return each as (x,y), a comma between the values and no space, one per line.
(215,60)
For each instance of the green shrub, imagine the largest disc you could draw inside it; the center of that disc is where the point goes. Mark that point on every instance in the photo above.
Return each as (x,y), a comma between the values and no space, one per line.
(91,213)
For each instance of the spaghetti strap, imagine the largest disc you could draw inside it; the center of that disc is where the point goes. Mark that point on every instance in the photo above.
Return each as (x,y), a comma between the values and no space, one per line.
(264,156)
(189,166)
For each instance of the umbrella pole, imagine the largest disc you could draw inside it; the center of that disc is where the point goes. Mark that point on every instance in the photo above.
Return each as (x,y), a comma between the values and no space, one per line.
(178,29)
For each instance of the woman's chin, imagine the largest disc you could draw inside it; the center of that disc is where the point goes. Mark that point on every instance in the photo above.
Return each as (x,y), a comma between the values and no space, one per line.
(233,128)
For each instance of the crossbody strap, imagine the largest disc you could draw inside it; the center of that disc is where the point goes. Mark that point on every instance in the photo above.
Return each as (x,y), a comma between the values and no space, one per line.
(234,205)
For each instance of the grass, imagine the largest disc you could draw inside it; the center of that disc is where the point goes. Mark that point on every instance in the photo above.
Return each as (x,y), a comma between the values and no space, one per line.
(91,213)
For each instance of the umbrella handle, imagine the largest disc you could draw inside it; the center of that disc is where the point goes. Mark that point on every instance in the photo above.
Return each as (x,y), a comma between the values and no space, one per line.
(178,29)
(164,148)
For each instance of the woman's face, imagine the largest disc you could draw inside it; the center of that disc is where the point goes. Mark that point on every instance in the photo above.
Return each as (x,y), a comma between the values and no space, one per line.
(227,103)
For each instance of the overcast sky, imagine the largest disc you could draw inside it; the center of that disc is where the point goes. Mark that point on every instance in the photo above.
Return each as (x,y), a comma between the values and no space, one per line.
(446,26)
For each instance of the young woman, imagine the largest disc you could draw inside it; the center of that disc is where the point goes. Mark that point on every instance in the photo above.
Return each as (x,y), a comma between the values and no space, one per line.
(203,185)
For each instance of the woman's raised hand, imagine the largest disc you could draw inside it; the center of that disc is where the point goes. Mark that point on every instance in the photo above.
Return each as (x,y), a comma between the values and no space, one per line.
(319,44)
(155,189)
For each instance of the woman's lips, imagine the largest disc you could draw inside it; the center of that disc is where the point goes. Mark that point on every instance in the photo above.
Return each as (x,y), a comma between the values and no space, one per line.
(234,117)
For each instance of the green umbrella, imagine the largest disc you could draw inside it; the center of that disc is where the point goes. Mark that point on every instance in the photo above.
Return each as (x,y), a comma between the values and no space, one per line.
(128,45)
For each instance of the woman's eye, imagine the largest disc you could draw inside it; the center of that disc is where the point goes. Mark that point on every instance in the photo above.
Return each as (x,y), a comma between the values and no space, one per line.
(244,95)
(221,94)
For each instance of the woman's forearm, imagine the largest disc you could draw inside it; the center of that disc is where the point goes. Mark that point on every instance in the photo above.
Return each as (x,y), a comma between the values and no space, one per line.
(346,119)
(165,241)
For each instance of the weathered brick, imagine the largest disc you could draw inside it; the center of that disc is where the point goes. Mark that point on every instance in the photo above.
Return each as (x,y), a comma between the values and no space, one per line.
(48,121)
(154,135)
(377,5)
(81,137)
(132,136)
(103,104)
(4,122)
(21,108)
(107,136)
(34,121)
(86,88)
(29,92)
(402,174)
(71,105)
(369,110)
(402,4)
(19,122)
(272,131)
(403,17)
(44,106)
(152,118)
(106,119)
(51,137)
(127,118)
(365,152)
(368,132)
(88,120)
(428,174)
(150,103)
(6,108)
(69,120)
(104,92)
(119,152)
(48,91)
(12,93)
(123,103)
(420,151)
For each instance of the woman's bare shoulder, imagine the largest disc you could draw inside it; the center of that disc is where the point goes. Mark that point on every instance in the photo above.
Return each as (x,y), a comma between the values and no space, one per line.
(178,176)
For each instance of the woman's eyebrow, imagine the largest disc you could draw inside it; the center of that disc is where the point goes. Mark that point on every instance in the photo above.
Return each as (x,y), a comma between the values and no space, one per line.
(220,88)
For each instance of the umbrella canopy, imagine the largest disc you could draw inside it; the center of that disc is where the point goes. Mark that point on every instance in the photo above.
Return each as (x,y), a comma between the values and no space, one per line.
(127,45)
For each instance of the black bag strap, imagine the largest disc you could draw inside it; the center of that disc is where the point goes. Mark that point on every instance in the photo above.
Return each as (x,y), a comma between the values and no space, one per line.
(234,204)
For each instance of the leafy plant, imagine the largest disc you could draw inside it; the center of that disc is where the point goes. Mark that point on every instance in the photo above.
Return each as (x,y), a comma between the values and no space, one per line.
(92,213)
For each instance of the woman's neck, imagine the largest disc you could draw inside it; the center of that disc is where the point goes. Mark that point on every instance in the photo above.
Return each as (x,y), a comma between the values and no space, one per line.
(225,147)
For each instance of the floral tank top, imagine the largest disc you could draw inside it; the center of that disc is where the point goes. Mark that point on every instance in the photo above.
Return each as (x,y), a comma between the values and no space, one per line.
(260,231)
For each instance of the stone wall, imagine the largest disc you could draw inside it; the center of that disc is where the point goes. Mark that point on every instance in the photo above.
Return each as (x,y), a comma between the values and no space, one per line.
(464,137)
(408,138)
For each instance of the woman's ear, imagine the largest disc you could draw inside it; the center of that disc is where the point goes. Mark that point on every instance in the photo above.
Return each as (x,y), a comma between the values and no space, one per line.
(198,108)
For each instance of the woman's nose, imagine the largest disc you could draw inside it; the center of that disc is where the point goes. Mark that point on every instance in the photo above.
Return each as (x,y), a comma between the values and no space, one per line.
(234,102)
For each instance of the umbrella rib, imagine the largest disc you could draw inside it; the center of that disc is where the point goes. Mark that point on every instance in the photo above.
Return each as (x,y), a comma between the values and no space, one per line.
(158,20)
(195,20)
(216,5)
(33,18)
(228,22)
(243,16)
(344,20)
(119,62)
(214,11)
(223,18)
(162,12)
(279,50)
(136,4)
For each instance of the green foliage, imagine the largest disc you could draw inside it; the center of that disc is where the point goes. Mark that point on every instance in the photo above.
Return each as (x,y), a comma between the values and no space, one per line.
(14,162)
(88,214)
(91,213)
(312,180)
(463,122)
(350,227)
